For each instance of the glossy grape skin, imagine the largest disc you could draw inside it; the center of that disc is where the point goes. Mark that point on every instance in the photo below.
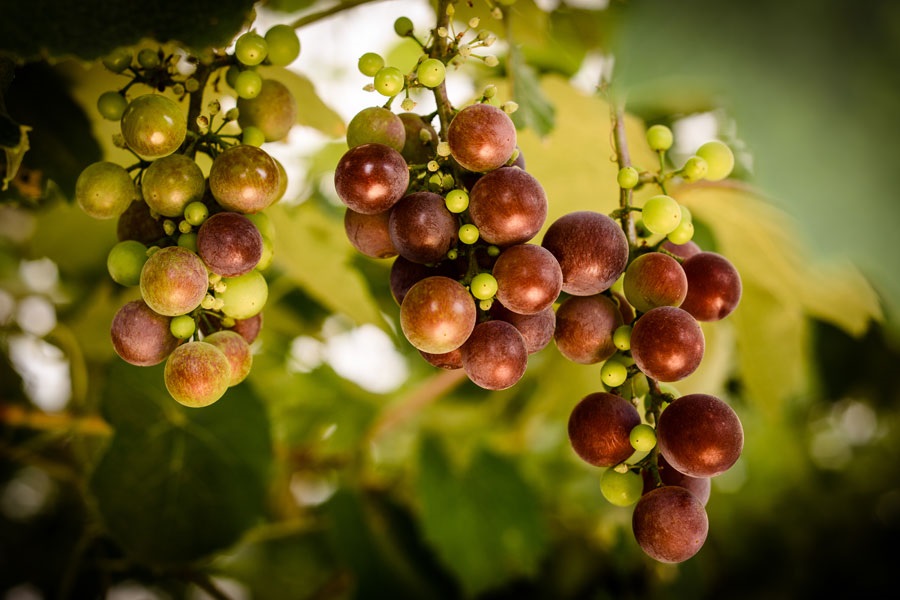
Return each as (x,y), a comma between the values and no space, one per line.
(508,206)
(585,327)
(494,356)
(719,159)
(244,179)
(371,178)
(104,190)
(713,286)
(230,244)
(376,125)
(236,350)
(153,126)
(417,150)
(370,63)
(686,250)
(701,437)
(528,277)
(248,84)
(251,48)
(654,279)
(171,183)
(591,249)
(111,105)
(621,489)
(537,329)
(141,336)
(431,72)
(599,427)
(136,223)
(370,234)
(421,228)
(244,295)
(248,328)
(667,343)
(661,214)
(197,374)
(389,81)
(670,524)
(174,281)
(273,110)
(405,274)
(283,45)
(125,261)
(659,137)
(700,487)
(449,361)
(437,315)
(482,138)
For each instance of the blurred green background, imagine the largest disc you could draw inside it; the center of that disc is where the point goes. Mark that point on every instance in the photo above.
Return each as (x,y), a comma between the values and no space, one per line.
(345,466)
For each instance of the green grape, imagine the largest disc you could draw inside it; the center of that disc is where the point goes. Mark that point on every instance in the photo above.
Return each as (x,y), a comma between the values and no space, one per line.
(659,137)
(431,72)
(252,136)
(125,261)
(182,326)
(639,385)
(104,190)
(483,286)
(283,45)
(231,74)
(189,241)
(642,437)
(621,489)
(153,126)
(403,26)
(457,201)
(613,373)
(468,234)
(268,254)
(244,295)
(694,169)
(111,105)
(248,84)
(263,223)
(681,234)
(251,49)
(622,337)
(719,159)
(686,216)
(661,214)
(370,63)
(149,58)
(196,213)
(389,81)
(118,60)
(628,177)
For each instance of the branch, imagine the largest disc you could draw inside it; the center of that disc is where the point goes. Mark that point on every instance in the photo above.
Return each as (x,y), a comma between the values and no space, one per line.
(18,416)
(439,50)
(324,14)
(432,389)
(624,160)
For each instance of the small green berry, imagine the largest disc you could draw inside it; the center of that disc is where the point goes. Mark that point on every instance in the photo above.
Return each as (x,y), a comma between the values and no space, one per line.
(483,286)
(468,234)
(659,137)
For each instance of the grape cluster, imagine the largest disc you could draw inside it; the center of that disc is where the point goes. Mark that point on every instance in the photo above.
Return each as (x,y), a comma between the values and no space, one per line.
(636,307)
(457,209)
(195,244)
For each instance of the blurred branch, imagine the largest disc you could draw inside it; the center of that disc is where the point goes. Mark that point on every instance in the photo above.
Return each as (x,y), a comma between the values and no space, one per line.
(324,14)
(432,389)
(18,416)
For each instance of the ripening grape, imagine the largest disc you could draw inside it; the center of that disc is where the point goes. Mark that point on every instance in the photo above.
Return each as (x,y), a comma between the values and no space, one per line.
(700,487)
(448,360)
(661,214)
(104,190)
(494,356)
(437,314)
(654,279)
(537,329)
(376,125)
(282,45)
(197,374)
(244,179)
(713,286)
(482,137)
(141,336)
(125,261)
(251,49)
(371,178)
(682,250)
(230,244)
(421,228)
(509,206)
(153,126)
(667,343)
(421,139)
(591,249)
(621,489)
(248,328)
(244,295)
(719,160)
(236,350)
(404,274)
(670,524)
(172,182)
(599,427)
(273,110)
(370,234)
(700,435)
(136,223)
(584,328)
(529,278)
(173,281)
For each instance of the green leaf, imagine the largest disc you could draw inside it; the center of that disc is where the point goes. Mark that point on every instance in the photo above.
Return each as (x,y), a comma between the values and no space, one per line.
(312,112)
(535,110)
(177,484)
(485,523)
(92,28)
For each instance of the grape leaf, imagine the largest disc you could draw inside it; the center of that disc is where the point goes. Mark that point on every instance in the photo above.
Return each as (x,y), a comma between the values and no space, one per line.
(485,523)
(177,484)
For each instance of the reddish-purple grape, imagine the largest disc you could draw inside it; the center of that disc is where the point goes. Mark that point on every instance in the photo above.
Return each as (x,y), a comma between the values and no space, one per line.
(670,524)
(654,279)
(698,486)
(528,278)
(236,350)
(495,356)
(136,223)
(599,428)
(370,234)
(376,125)
(141,336)
(714,286)
(700,435)
(174,281)
(418,148)
(508,206)
(537,329)
(230,244)
(273,111)
(482,138)
(685,250)
(448,360)
(421,228)
(371,178)
(584,328)
(197,374)
(244,179)
(667,343)
(437,315)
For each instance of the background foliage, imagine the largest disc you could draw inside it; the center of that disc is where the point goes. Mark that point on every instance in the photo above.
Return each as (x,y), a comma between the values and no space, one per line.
(303,483)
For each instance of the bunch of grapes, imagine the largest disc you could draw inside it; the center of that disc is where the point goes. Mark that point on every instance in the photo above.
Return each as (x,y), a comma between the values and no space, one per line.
(196,244)
(635,306)
(457,209)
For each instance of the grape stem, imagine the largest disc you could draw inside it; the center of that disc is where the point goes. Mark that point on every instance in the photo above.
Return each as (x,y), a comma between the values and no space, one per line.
(624,160)
(324,14)
(439,50)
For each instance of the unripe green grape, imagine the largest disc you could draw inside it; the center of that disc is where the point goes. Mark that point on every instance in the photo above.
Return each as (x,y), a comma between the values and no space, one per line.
(457,201)
(686,216)
(189,241)
(196,213)
(403,26)
(659,137)
(252,136)
(621,489)
(370,63)
(111,105)
(613,373)
(483,286)
(468,234)
(148,58)
(251,49)
(268,254)
(622,337)
(263,223)
(628,177)
(694,169)
(661,214)
(431,72)
(244,296)
(719,159)
(681,234)
(248,84)
(283,45)
(104,190)
(118,60)
(231,74)
(389,81)
(182,326)
(642,437)
(125,261)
